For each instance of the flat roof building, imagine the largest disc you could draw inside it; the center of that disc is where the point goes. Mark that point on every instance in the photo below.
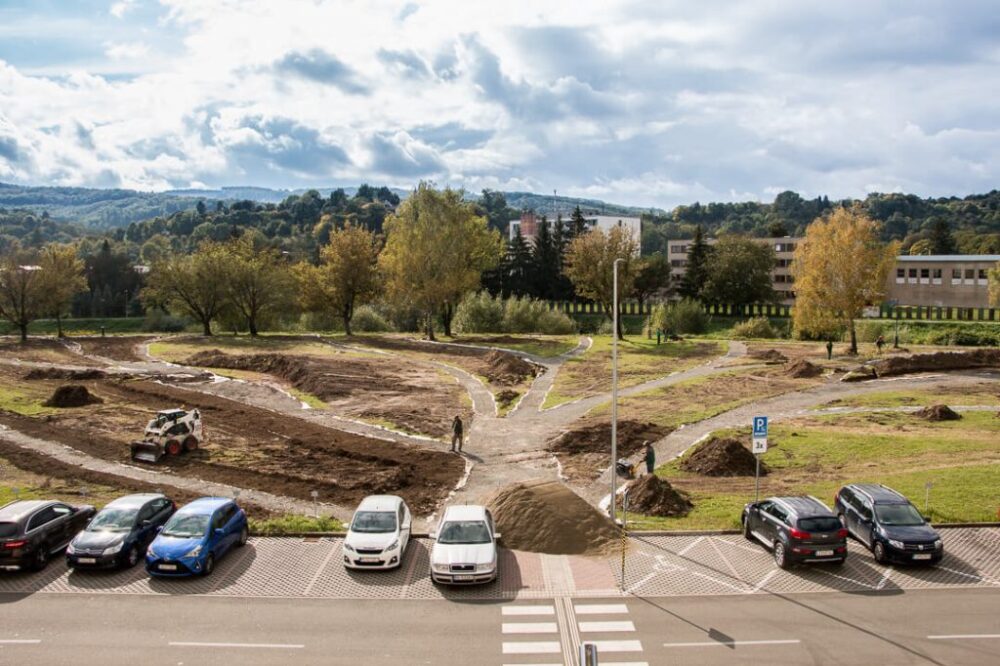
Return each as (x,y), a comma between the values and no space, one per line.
(781,274)
(956,280)
(528,225)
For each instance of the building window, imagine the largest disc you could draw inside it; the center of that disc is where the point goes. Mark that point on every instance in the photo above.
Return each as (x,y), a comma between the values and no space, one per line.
(784,247)
(678,263)
(779,278)
(937,274)
(970,273)
(925,272)
(913,272)
(900,272)
(678,249)
(982,273)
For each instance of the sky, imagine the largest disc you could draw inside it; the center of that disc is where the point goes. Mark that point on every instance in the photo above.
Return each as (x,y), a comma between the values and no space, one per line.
(651,104)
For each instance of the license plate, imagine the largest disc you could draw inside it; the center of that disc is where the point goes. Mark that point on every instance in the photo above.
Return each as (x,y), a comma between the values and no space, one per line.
(922,556)
(168,567)
(87,560)
(824,553)
(369,560)
(463,577)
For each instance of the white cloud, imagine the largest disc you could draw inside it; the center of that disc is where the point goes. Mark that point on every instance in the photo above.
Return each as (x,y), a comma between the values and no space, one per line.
(119,9)
(125,50)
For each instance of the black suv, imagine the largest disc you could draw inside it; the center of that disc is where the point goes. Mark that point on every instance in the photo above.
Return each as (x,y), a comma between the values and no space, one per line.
(120,532)
(798,530)
(888,524)
(32,530)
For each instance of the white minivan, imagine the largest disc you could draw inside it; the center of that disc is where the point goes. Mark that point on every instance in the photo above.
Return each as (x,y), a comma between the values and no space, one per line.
(465,546)
(379,533)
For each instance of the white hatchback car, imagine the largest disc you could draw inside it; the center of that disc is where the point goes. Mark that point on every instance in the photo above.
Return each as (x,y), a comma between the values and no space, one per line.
(379,533)
(465,546)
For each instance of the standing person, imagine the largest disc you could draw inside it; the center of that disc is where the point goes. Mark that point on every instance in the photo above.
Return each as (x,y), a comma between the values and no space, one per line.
(829,349)
(650,458)
(879,343)
(456,433)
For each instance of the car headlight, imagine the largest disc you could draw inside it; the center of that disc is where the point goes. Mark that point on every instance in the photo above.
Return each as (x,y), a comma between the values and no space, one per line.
(393,545)
(111,550)
(348,547)
(441,568)
(489,566)
(70,549)
(897,544)
(938,544)
(194,552)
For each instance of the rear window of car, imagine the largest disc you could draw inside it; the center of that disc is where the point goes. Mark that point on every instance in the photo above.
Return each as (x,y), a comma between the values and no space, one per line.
(819,524)
(7,530)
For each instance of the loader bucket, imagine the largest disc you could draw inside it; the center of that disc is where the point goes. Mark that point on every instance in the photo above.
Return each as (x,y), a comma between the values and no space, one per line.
(146,452)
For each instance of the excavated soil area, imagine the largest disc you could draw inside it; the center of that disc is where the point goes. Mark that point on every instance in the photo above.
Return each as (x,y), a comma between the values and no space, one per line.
(767,355)
(548,517)
(72,395)
(722,457)
(938,413)
(957,360)
(584,453)
(506,369)
(406,395)
(40,350)
(803,369)
(117,348)
(64,373)
(254,448)
(652,496)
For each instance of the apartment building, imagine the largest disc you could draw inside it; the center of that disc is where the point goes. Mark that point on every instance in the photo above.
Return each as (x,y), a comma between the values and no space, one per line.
(954,280)
(781,275)
(528,224)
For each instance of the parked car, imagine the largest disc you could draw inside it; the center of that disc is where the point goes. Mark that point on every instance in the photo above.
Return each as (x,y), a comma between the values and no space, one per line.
(886,522)
(31,531)
(379,533)
(798,530)
(465,546)
(120,532)
(196,537)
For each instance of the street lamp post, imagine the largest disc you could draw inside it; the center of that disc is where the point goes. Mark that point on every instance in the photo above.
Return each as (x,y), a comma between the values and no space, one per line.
(614,388)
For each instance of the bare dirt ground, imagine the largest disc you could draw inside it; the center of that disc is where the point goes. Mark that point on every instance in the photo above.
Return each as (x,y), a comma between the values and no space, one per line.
(583,451)
(40,350)
(117,348)
(250,447)
(406,395)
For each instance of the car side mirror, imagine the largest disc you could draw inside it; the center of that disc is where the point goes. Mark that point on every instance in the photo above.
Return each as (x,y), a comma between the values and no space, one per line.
(497,536)
(159,528)
(147,523)
(927,519)
(219,531)
(433,535)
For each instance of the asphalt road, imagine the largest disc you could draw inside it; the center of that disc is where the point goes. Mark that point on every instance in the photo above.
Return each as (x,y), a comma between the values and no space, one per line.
(955,626)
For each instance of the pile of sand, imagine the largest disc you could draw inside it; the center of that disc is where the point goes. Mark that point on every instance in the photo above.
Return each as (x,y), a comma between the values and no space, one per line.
(652,496)
(722,457)
(65,373)
(767,355)
(938,413)
(72,395)
(803,369)
(548,517)
(506,369)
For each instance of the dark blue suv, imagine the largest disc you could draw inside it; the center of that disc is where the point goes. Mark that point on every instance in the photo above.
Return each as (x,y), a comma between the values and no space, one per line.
(888,524)
(798,530)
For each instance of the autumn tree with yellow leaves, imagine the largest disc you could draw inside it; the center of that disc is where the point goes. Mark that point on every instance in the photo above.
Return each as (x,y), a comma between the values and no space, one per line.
(839,268)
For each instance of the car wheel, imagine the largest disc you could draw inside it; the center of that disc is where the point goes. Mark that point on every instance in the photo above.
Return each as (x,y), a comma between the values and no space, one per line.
(41,559)
(132,558)
(190,444)
(840,563)
(209,565)
(879,552)
(746,531)
(244,535)
(780,557)
(173,448)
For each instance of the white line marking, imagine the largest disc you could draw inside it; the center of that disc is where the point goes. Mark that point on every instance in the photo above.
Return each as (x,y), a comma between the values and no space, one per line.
(532,647)
(275,646)
(955,637)
(624,663)
(765,579)
(553,664)
(528,610)
(616,646)
(607,626)
(529,628)
(691,545)
(600,609)
(21,641)
(732,643)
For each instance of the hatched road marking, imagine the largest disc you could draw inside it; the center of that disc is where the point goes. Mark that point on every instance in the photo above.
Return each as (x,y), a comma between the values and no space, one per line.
(612,627)
(616,646)
(528,610)
(532,647)
(529,628)
(601,609)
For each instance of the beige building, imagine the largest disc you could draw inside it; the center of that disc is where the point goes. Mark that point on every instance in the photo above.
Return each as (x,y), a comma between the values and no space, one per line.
(528,225)
(951,280)
(781,276)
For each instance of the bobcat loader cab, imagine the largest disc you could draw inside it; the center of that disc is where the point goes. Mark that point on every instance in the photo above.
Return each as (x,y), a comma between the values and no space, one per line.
(171,433)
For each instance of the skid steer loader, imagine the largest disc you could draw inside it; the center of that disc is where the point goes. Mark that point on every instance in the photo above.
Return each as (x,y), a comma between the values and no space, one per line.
(171,433)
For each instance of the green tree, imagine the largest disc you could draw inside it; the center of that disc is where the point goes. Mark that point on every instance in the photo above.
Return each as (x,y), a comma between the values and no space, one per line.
(194,284)
(545,266)
(62,278)
(696,271)
(498,214)
(259,284)
(590,264)
(577,223)
(925,246)
(436,251)
(347,275)
(519,265)
(652,275)
(941,238)
(994,282)
(739,272)
(22,290)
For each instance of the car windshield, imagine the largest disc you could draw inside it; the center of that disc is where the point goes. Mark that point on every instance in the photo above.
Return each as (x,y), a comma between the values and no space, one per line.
(898,514)
(7,530)
(464,531)
(819,524)
(374,522)
(113,520)
(186,525)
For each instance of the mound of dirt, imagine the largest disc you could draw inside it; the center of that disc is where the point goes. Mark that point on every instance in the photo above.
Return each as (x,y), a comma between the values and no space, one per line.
(584,452)
(506,369)
(722,457)
(859,374)
(72,395)
(901,365)
(548,517)
(65,373)
(803,369)
(768,355)
(938,413)
(652,496)
(507,397)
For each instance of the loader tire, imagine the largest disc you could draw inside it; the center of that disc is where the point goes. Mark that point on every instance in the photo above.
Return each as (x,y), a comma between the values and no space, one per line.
(191,444)
(173,447)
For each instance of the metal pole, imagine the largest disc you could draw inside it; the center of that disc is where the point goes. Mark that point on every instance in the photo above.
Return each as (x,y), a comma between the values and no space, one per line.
(614,388)
(756,480)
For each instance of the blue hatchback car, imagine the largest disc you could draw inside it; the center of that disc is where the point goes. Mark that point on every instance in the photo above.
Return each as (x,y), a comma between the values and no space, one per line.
(196,537)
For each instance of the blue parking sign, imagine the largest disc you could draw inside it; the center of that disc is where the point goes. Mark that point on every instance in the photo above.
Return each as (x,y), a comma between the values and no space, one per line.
(760,426)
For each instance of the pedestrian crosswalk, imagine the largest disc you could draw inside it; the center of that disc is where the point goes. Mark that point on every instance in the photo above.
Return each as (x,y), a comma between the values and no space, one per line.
(550,633)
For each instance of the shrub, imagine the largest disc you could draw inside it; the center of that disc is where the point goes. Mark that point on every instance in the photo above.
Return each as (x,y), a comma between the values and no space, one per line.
(479,313)
(520,315)
(607,327)
(367,319)
(682,317)
(755,327)
(320,321)
(160,321)
(553,322)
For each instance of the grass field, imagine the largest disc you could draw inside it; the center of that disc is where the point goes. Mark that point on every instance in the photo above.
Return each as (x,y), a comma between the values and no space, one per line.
(961,459)
(546,346)
(986,394)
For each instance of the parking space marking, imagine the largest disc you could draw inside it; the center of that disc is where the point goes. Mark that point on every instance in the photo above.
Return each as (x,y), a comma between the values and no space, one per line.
(528,610)
(608,626)
(962,637)
(783,641)
(691,545)
(624,663)
(617,646)
(728,564)
(335,548)
(600,609)
(20,641)
(972,576)
(528,628)
(532,647)
(763,581)
(266,646)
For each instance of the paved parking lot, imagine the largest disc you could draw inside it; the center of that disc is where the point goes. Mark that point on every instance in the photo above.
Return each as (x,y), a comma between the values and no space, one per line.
(655,567)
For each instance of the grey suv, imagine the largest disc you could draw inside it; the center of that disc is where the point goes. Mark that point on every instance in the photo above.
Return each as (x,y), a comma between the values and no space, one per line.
(798,530)
(31,531)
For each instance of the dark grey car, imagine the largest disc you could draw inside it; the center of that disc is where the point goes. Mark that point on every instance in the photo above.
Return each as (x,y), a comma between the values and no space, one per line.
(798,530)
(31,531)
